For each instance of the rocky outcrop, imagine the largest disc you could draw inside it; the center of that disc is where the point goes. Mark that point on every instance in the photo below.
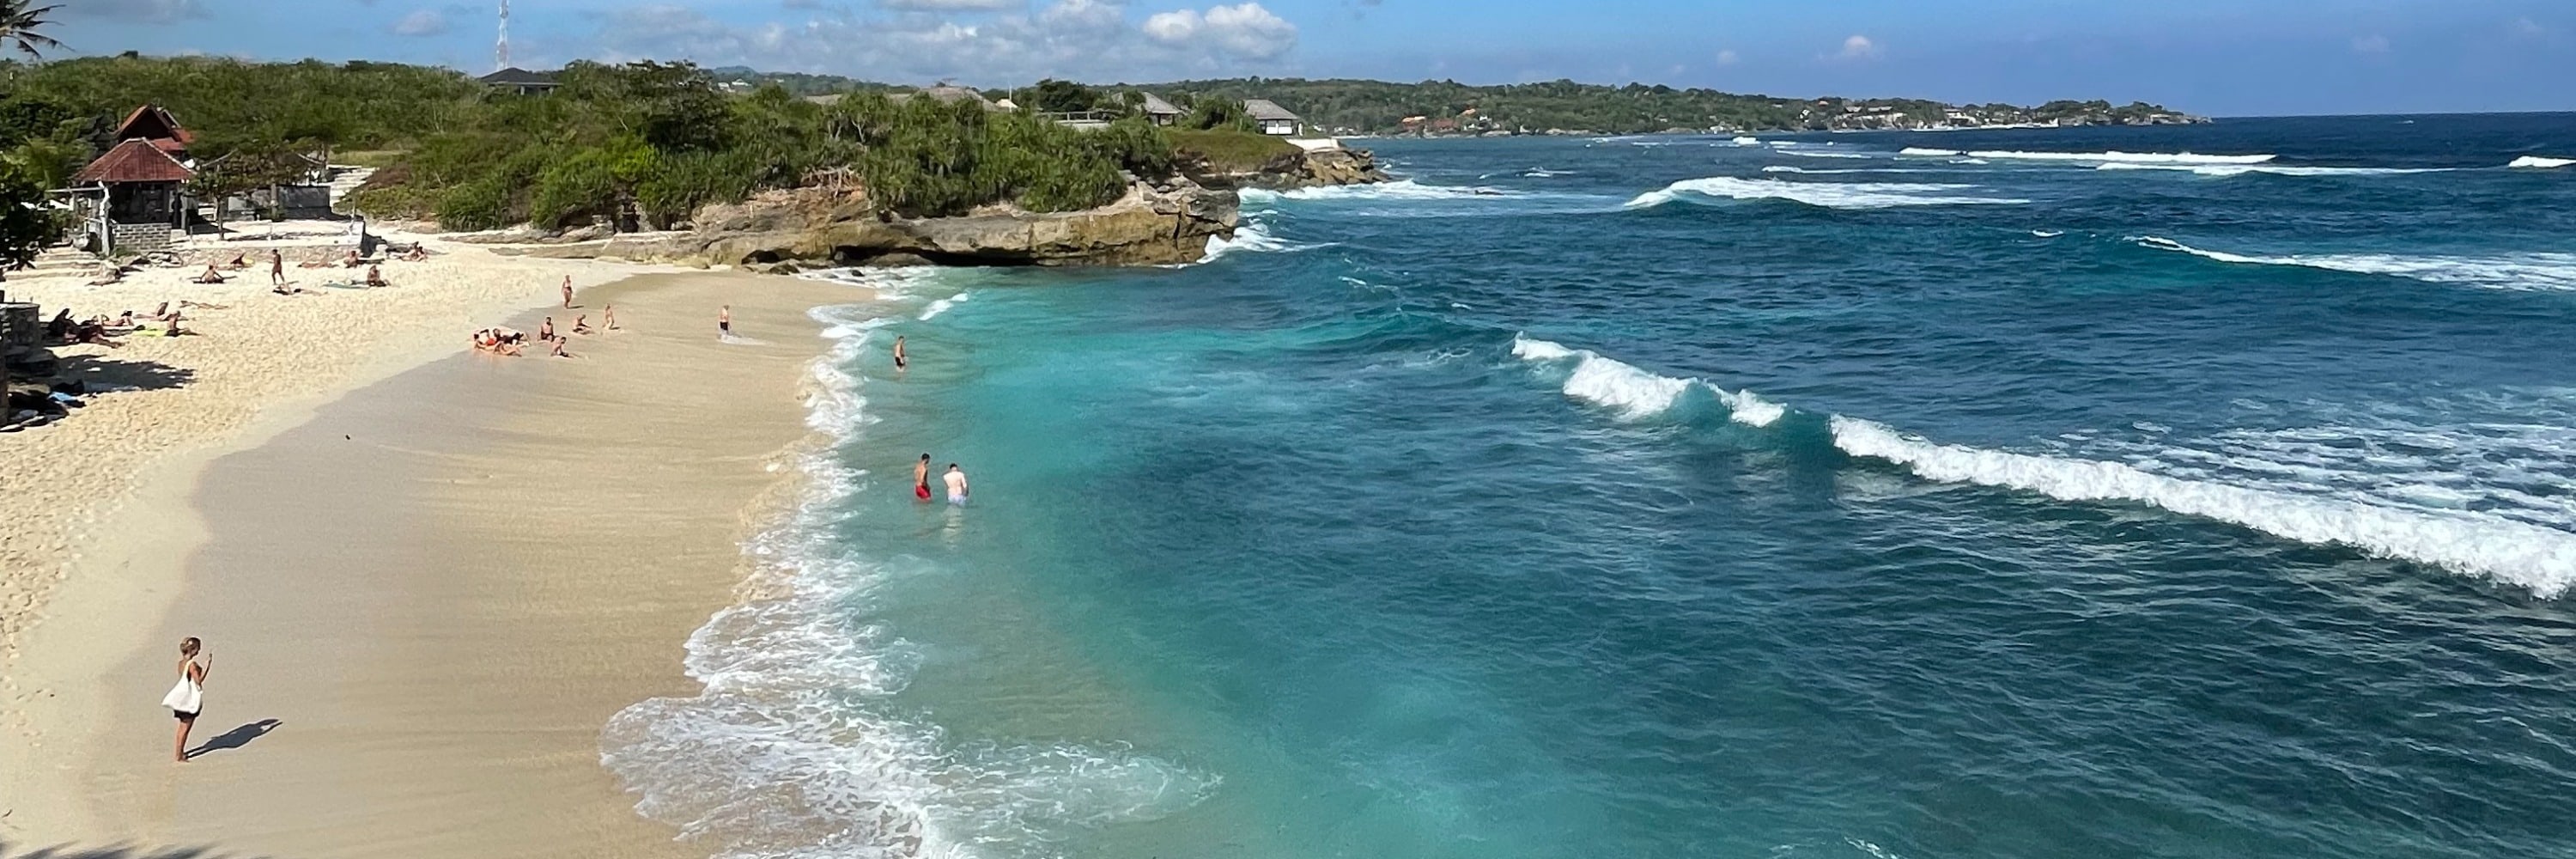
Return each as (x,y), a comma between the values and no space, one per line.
(1302,169)
(1151,225)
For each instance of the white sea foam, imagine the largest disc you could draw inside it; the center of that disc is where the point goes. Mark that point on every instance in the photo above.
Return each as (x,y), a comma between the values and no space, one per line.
(786,752)
(2270,169)
(2123,157)
(1831,195)
(1634,393)
(2531,271)
(2530,556)
(1810,153)
(2535,162)
(2046,234)
(1253,236)
(1920,152)
(1402,189)
(1748,141)
(943,305)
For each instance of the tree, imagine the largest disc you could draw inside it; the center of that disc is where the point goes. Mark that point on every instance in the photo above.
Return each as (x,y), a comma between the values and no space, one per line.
(26,225)
(18,25)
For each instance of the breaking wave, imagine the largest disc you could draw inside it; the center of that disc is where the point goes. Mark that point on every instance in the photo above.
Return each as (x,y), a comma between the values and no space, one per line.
(2271,169)
(2535,271)
(1402,189)
(2510,550)
(1253,236)
(788,751)
(1824,194)
(2535,162)
(1632,392)
(2113,157)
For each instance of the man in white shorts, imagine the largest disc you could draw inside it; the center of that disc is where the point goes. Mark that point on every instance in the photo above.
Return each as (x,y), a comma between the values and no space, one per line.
(956,485)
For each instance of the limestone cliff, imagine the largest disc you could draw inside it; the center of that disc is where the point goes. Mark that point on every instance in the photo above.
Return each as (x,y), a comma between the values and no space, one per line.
(1294,170)
(1152,225)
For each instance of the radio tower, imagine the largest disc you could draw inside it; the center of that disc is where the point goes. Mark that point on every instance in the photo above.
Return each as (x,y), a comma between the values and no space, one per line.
(501,51)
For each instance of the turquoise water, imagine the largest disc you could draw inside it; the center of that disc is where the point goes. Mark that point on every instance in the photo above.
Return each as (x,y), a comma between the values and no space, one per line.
(1837,496)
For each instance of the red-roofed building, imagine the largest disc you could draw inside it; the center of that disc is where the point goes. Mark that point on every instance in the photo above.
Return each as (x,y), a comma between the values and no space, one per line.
(133,195)
(155,124)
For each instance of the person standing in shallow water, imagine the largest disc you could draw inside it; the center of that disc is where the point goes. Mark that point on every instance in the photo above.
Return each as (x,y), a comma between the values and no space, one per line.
(921,478)
(900,364)
(724,321)
(956,479)
(188,698)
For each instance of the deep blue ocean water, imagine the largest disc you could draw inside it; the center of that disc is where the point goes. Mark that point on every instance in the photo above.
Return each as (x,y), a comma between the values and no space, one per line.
(1873,495)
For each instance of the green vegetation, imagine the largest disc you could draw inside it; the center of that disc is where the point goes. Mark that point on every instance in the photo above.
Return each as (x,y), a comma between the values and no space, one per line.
(1449,106)
(1231,150)
(643,144)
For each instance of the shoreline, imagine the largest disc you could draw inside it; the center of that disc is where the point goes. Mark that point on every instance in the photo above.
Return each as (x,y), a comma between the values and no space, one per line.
(89,765)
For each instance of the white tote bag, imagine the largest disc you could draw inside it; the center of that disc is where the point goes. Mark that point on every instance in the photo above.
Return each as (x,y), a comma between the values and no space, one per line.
(186,697)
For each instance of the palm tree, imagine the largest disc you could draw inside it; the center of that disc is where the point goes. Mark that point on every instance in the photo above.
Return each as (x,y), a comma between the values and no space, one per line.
(18,25)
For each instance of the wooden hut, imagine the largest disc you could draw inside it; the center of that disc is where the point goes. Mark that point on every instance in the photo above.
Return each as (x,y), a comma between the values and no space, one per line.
(132,197)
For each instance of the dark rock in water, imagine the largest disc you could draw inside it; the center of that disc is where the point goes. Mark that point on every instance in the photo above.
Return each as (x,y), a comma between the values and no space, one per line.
(1303,169)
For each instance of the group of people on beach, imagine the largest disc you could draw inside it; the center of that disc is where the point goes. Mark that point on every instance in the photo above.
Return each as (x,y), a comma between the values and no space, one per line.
(504,340)
(98,329)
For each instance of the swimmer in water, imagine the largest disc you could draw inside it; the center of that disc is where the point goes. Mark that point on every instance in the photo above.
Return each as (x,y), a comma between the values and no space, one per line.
(900,363)
(921,478)
(956,479)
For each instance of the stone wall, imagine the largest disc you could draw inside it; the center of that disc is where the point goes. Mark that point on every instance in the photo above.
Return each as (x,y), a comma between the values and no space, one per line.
(136,238)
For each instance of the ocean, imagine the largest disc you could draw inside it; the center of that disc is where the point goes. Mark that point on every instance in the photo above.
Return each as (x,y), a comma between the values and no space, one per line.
(2132,492)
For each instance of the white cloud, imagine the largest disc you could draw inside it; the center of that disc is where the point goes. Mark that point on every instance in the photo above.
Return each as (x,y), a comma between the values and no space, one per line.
(955,5)
(1858,47)
(422,23)
(1245,29)
(2373,44)
(1080,39)
(1727,57)
(2529,29)
(146,11)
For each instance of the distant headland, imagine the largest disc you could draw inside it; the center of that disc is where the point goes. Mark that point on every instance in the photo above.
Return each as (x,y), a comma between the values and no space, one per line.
(1448,108)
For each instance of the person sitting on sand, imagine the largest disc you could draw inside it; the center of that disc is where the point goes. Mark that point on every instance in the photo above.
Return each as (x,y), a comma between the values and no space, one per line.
(211,275)
(559,349)
(608,312)
(351,260)
(416,254)
(546,331)
(170,326)
(91,332)
(376,276)
(581,324)
(107,274)
(161,312)
(60,328)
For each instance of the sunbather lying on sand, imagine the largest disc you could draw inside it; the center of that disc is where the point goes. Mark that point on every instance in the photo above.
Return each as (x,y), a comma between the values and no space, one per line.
(376,276)
(581,324)
(211,276)
(161,312)
(186,303)
(107,274)
(416,254)
(240,261)
(283,289)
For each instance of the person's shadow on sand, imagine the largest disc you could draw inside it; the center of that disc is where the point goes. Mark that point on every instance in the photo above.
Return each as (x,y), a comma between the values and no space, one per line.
(236,738)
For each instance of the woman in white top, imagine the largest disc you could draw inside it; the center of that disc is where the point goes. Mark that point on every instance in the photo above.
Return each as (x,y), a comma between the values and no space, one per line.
(189,697)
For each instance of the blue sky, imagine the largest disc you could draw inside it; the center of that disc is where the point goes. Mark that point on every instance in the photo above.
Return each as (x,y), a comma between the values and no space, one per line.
(2227,58)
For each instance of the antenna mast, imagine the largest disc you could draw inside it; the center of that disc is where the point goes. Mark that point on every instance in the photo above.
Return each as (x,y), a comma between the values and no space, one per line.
(501,52)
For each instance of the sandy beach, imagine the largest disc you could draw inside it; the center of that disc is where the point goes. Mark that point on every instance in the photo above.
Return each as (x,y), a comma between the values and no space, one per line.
(428,574)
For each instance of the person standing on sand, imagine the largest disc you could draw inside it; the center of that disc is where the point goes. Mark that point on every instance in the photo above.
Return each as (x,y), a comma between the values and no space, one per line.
(276,268)
(724,321)
(899,364)
(608,312)
(921,479)
(188,698)
(567,292)
(956,478)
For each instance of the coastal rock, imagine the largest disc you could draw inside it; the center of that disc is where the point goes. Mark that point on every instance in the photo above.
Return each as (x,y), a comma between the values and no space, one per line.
(1304,169)
(1149,226)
